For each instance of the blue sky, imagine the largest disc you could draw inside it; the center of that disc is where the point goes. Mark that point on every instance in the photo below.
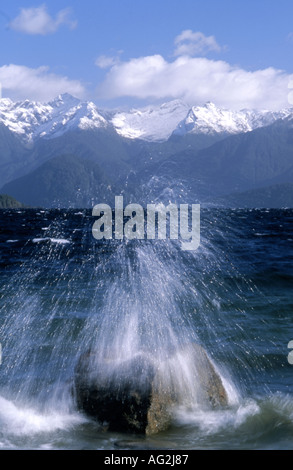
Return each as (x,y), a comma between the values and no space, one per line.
(131,52)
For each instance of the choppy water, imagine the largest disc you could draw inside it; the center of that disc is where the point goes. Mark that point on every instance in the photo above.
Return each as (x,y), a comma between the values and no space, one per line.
(62,292)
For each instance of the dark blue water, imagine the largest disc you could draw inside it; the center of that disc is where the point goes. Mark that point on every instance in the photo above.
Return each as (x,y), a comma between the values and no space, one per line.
(62,292)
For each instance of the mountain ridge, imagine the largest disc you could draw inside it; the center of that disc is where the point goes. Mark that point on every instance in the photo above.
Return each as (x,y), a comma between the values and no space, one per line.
(31,120)
(65,180)
(215,152)
(210,119)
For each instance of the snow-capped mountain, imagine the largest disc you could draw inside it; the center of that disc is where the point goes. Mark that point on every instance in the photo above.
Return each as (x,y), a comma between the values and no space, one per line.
(209,119)
(151,123)
(31,120)
(47,155)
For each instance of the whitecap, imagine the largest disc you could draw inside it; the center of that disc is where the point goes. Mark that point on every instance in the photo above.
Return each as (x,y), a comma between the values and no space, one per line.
(22,420)
(60,241)
(212,421)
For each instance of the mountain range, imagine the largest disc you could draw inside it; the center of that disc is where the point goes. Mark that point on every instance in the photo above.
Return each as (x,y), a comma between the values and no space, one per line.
(70,153)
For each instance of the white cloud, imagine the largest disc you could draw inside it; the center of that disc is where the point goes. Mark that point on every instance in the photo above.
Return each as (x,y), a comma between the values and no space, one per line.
(197,80)
(38,21)
(105,62)
(21,82)
(195,43)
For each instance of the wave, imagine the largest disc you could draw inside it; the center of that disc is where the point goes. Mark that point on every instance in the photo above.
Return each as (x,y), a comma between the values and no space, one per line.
(59,241)
(20,420)
(260,423)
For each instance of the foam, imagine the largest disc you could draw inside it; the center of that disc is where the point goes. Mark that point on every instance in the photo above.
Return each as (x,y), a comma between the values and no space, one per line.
(22,420)
(59,241)
(213,421)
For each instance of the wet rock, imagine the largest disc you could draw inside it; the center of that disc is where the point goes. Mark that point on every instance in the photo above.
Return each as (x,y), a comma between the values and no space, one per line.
(139,395)
(187,378)
(117,395)
(210,387)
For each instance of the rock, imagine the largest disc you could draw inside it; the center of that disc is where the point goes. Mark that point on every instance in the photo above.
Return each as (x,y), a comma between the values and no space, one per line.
(188,377)
(138,395)
(210,387)
(117,395)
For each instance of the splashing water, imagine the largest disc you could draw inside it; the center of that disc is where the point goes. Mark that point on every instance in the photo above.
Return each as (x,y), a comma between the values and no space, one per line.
(120,300)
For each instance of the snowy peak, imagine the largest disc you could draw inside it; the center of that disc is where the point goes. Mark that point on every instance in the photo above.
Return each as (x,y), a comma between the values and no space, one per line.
(64,100)
(158,123)
(31,120)
(151,123)
(209,119)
